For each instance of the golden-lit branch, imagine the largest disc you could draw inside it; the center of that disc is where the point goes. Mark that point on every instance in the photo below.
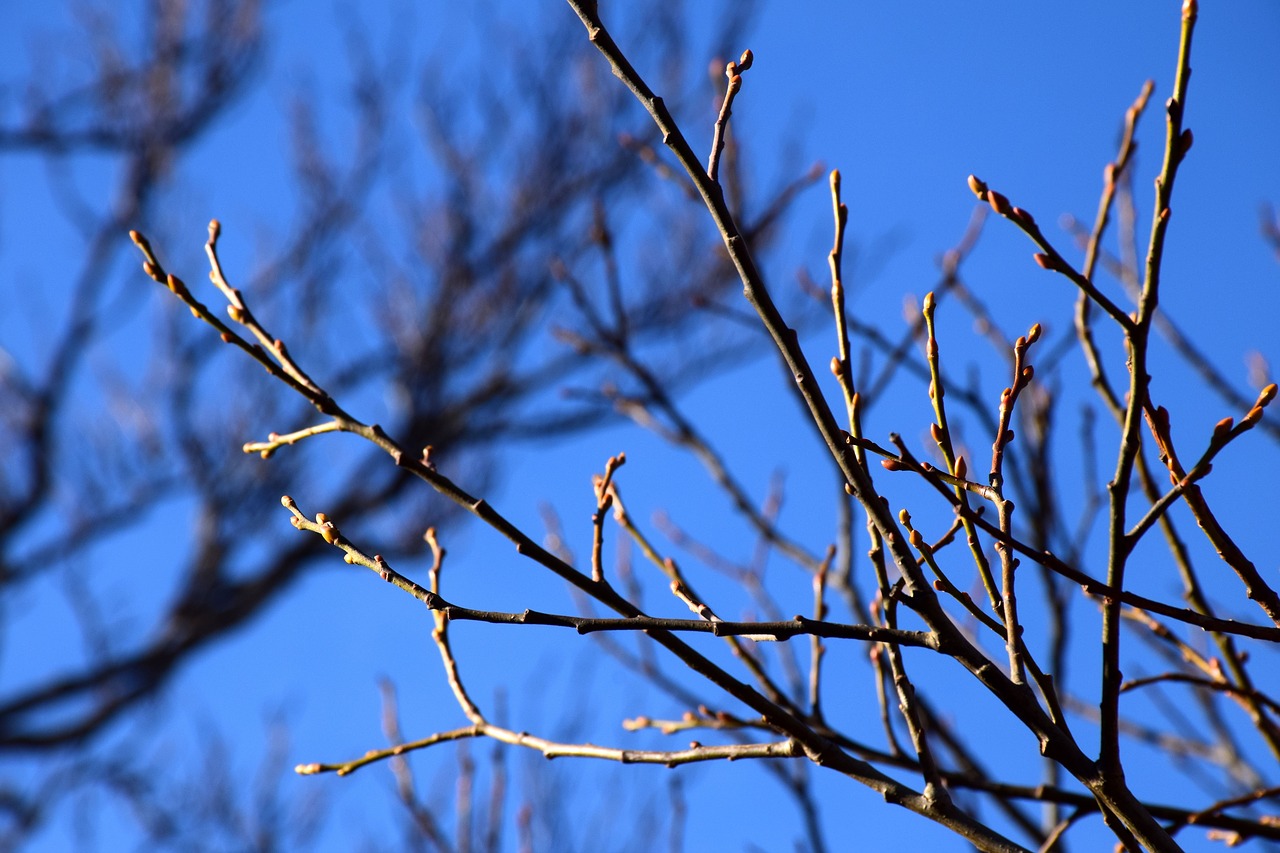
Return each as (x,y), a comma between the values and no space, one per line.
(733,72)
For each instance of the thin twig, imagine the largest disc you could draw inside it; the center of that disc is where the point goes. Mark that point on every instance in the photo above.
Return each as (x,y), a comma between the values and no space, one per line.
(733,72)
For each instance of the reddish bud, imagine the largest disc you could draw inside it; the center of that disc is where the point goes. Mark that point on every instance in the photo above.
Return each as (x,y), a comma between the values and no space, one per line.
(1026,218)
(1044,261)
(979,188)
(999,203)
(1222,429)
(1162,419)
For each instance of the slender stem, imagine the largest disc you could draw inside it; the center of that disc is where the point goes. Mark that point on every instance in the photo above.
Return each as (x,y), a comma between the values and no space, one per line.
(1177,143)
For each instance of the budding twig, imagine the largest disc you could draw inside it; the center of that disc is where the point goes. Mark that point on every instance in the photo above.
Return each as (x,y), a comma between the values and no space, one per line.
(1048,257)
(956,465)
(733,72)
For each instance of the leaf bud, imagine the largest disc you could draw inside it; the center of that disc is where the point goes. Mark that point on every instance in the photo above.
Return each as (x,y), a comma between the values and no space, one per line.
(1222,429)
(1185,141)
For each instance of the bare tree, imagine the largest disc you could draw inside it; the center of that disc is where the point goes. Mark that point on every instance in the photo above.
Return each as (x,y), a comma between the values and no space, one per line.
(1005,598)
(456,304)
(950,581)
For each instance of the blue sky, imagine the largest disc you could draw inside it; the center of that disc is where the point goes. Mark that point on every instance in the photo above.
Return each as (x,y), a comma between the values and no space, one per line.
(906,100)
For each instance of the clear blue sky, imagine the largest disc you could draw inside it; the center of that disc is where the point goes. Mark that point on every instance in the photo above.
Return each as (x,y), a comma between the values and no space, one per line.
(905,99)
